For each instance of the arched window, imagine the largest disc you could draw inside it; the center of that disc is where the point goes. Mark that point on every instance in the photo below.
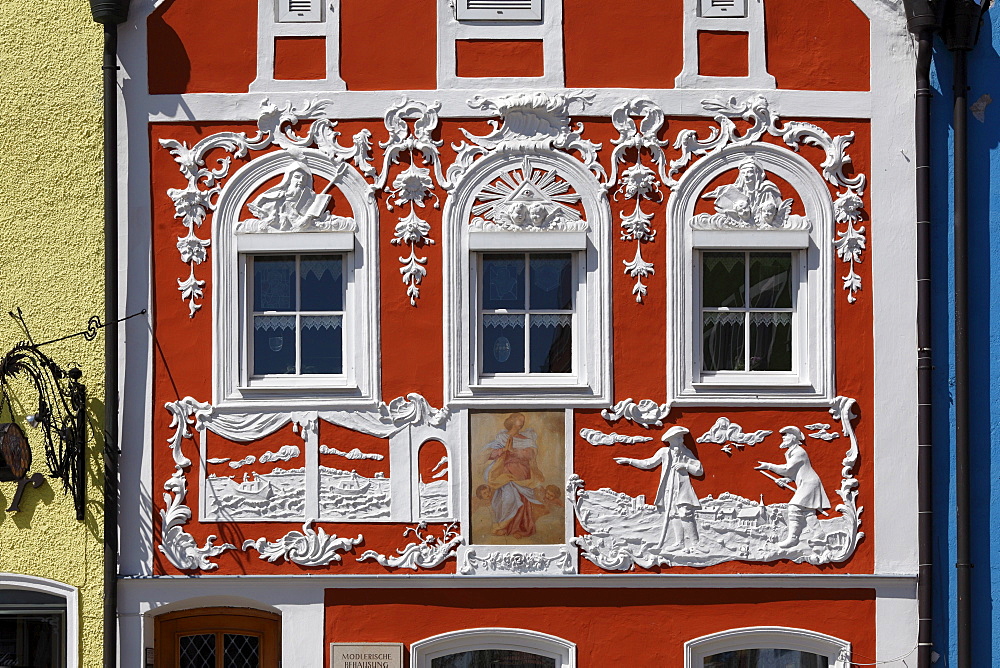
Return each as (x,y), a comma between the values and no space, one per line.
(766,647)
(218,638)
(528,282)
(294,298)
(751,316)
(484,648)
(39,622)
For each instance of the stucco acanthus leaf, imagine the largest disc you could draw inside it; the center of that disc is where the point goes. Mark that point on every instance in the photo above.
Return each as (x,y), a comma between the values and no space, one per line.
(521,563)
(756,111)
(638,182)
(531,122)
(751,202)
(429,552)
(595,437)
(414,185)
(194,202)
(310,547)
(180,547)
(413,409)
(624,531)
(527,198)
(724,432)
(647,413)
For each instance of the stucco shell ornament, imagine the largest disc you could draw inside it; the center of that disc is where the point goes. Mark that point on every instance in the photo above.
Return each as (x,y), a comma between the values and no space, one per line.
(681,529)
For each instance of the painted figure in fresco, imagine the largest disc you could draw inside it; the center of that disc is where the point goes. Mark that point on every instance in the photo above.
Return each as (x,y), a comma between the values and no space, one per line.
(292,205)
(809,494)
(513,476)
(675,495)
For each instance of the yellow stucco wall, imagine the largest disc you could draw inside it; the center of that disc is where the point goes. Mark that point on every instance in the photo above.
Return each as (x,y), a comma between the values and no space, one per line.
(51,265)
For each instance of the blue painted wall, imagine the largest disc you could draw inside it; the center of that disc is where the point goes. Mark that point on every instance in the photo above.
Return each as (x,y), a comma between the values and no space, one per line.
(984,366)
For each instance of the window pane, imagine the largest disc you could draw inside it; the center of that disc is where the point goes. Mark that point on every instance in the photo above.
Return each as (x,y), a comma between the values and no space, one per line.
(770,341)
(551,344)
(322,283)
(503,282)
(551,276)
(274,283)
(322,344)
(197,651)
(503,343)
(241,651)
(31,640)
(493,658)
(766,658)
(722,345)
(273,344)
(771,280)
(723,278)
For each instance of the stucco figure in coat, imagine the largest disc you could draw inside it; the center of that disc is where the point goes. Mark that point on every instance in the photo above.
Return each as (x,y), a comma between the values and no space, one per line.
(809,495)
(675,495)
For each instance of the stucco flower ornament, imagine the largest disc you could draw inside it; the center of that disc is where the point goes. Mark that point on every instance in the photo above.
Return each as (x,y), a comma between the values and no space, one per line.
(848,207)
(192,249)
(413,185)
(412,230)
(638,181)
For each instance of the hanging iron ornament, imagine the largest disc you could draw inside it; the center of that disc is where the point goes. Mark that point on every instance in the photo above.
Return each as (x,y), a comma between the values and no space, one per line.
(16,454)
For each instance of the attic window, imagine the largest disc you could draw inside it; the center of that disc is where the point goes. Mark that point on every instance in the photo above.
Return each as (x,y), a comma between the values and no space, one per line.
(300,11)
(499,10)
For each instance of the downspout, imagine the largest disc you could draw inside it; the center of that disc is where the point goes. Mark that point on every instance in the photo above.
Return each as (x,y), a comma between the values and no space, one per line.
(961,31)
(921,21)
(110,13)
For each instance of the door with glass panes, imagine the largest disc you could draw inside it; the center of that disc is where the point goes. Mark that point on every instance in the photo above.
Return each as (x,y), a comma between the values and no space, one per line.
(218,638)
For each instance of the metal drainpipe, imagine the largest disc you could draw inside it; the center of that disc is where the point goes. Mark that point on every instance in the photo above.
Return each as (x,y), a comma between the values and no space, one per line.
(961,32)
(110,13)
(922,21)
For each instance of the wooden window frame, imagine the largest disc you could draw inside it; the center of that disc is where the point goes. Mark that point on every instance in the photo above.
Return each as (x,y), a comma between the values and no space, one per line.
(171,626)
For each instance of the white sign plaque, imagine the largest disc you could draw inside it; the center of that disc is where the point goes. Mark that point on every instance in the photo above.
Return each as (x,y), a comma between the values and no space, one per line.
(366,655)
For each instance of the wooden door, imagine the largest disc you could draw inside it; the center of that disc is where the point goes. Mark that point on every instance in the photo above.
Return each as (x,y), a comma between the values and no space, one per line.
(218,638)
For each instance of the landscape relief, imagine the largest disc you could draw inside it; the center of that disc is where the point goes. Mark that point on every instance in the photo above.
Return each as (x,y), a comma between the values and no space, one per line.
(517,477)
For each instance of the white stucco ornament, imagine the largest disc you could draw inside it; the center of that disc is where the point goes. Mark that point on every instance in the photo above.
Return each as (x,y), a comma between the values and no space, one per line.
(647,413)
(429,552)
(527,198)
(199,197)
(595,437)
(734,212)
(752,202)
(294,206)
(516,562)
(679,528)
(306,548)
(639,181)
(727,433)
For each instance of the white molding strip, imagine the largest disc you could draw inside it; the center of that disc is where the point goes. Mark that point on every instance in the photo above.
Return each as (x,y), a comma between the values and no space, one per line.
(454,103)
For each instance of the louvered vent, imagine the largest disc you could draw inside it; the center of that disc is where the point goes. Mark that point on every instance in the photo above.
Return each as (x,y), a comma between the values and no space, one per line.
(300,11)
(730,9)
(499,10)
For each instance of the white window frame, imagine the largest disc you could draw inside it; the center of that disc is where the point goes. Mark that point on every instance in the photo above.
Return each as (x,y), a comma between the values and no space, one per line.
(590,382)
(358,384)
(751,22)
(424,651)
(836,651)
(270,28)
(548,28)
(811,382)
(68,593)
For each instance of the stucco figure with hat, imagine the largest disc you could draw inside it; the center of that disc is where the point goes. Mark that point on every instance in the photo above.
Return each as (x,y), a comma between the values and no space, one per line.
(675,495)
(798,476)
